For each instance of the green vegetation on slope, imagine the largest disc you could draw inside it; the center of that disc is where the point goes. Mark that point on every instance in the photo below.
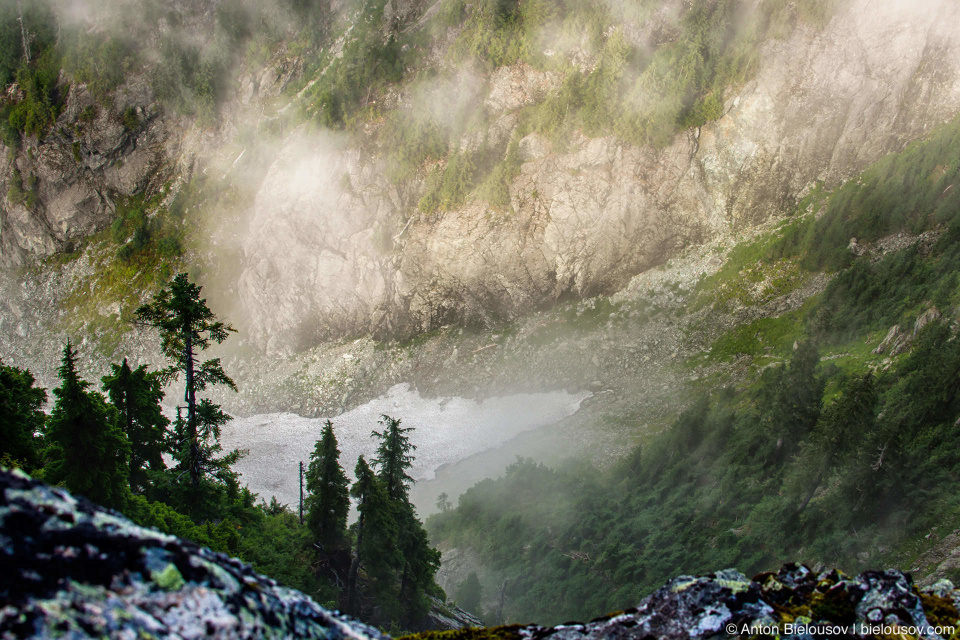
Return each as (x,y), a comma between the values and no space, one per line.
(740,479)
(911,191)
(908,193)
(849,463)
(642,96)
(189,74)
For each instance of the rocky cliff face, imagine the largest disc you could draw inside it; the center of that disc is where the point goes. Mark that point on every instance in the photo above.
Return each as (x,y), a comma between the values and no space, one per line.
(92,156)
(340,252)
(331,246)
(72,568)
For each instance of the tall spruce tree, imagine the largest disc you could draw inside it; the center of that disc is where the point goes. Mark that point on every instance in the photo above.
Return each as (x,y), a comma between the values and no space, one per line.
(837,436)
(86,450)
(376,542)
(469,593)
(187,327)
(328,501)
(21,416)
(393,457)
(136,394)
(420,564)
(420,560)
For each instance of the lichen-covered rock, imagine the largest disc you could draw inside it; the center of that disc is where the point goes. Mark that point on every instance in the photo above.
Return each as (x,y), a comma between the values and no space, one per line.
(71,569)
(794,602)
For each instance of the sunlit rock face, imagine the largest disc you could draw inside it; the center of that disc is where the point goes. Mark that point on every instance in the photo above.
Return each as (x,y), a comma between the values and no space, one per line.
(335,248)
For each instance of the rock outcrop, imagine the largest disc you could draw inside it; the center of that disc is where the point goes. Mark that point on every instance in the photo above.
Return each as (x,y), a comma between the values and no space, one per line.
(70,568)
(898,340)
(450,616)
(92,156)
(794,602)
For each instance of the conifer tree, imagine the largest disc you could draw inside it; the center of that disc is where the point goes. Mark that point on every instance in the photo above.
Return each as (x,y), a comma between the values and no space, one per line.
(469,593)
(376,548)
(328,501)
(187,327)
(21,416)
(136,394)
(393,457)
(838,435)
(420,560)
(790,398)
(420,564)
(443,502)
(86,451)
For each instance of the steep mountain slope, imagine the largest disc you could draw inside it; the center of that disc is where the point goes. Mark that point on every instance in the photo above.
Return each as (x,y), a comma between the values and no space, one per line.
(587,213)
(837,444)
(463,186)
(325,236)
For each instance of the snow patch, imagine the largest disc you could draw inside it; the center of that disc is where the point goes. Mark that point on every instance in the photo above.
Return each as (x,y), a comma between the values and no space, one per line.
(447,430)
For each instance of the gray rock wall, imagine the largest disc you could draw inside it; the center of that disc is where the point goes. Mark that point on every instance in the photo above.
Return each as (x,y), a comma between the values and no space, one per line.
(82,166)
(343,252)
(331,247)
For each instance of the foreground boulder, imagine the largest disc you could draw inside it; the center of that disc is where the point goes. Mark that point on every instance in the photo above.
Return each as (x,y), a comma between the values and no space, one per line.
(71,569)
(794,602)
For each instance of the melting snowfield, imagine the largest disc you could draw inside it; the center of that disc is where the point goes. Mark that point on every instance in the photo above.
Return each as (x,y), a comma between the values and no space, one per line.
(447,430)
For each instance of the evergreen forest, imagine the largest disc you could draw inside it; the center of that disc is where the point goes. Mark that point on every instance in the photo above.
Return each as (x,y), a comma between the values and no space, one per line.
(119,449)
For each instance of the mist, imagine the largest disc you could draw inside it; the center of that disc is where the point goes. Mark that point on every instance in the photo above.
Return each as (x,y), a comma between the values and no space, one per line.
(447,431)
(597,236)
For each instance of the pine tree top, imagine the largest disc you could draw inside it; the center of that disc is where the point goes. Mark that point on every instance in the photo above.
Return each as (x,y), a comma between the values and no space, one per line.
(393,459)
(184,319)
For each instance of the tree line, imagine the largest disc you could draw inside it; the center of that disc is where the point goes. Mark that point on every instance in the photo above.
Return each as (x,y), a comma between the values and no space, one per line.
(113,447)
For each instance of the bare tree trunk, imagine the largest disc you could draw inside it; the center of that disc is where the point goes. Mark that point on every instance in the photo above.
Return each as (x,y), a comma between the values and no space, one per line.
(503,597)
(810,494)
(301,492)
(23,33)
(352,574)
(190,397)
